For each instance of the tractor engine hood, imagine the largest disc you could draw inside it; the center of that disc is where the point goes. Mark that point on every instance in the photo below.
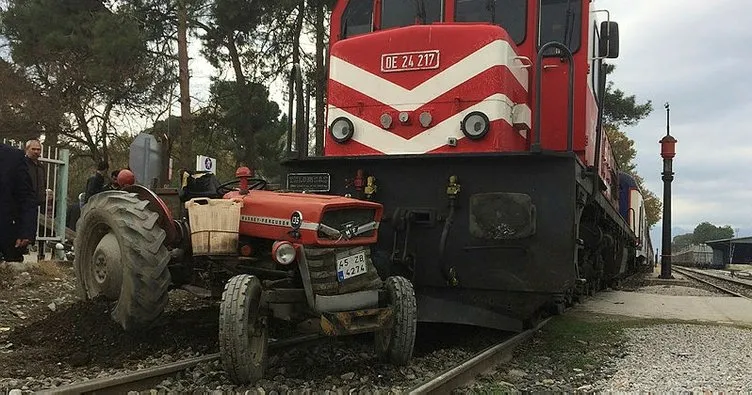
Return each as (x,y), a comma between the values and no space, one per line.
(308,219)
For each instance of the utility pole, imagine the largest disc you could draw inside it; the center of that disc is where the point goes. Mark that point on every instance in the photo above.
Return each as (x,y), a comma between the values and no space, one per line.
(668,151)
(187,157)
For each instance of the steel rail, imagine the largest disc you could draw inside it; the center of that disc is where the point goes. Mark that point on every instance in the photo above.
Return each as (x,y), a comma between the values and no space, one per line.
(697,277)
(738,281)
(464,373)
(144,379)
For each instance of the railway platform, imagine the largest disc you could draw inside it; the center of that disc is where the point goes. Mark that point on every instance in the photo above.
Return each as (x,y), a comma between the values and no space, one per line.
(710,309)
(654,278)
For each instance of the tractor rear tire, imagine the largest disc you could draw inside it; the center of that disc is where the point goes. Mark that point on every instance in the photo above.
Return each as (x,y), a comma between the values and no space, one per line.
(243,330)
(395,344)
(144,277)
(108,269)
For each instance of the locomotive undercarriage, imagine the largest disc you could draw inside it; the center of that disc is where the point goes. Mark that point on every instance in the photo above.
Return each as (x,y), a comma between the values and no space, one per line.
(491,240)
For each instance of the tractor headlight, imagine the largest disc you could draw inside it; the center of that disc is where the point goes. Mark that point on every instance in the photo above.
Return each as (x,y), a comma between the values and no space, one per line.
(342,129)
(284,252)
(475,125)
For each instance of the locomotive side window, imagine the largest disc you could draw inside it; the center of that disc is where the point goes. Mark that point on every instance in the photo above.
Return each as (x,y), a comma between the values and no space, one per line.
(560,20)
(357,18)
(509,14)
(398,13)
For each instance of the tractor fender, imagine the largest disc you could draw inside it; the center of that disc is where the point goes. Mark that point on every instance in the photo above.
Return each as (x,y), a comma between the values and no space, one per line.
(157,205)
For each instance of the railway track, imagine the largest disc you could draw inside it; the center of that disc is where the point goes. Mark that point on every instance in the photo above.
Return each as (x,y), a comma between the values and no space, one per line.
(730,286)
(444,382)
(465,372)
(144,379)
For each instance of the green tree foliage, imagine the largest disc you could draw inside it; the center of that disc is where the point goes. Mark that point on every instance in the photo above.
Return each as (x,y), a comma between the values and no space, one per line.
(682,241)
(703,232)
(223,125)
(707,231)
(619,108)
(622,110)
(623,149)
(92,61)
(262,39)
(24,111)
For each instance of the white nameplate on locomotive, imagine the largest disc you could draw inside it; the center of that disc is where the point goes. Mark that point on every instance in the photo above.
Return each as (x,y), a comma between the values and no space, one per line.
(410,61)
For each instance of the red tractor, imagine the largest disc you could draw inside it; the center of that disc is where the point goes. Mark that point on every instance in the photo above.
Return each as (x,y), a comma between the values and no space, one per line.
(267,254)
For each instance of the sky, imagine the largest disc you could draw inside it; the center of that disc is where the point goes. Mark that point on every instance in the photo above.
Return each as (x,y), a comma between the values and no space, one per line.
(692,54)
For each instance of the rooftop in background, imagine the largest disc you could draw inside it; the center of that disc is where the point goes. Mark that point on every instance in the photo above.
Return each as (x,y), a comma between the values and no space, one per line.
(738,240)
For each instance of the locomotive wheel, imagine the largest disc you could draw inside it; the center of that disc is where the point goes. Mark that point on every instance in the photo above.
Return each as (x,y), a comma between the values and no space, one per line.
(396,344)
(107,268)
(243,330)
(116,226)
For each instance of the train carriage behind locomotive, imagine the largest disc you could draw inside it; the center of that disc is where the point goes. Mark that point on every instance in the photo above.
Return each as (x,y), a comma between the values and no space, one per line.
(477,125)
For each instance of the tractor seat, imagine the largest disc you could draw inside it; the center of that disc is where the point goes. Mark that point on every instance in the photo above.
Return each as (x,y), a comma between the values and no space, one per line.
(198,184)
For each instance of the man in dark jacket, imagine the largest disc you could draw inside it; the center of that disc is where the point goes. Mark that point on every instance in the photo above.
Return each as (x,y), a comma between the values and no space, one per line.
(18,204)
(96,183)
(38,181)
(36,170)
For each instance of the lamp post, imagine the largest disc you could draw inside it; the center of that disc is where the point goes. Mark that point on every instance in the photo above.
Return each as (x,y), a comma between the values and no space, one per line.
(668,151)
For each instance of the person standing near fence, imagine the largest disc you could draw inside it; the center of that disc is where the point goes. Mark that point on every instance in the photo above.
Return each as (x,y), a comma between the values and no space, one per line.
(96,183)
(38,180)
(18,204)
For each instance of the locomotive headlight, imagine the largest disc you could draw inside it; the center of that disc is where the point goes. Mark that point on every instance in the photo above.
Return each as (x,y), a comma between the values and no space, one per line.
(342,129)
(425,119)
(404,116)
(475,125)
(283,252)
(386,120)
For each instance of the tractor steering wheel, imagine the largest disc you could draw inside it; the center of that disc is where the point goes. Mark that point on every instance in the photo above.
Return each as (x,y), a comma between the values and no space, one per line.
(253,183)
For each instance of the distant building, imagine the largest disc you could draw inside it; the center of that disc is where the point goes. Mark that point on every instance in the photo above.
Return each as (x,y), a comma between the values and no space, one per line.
(731,251)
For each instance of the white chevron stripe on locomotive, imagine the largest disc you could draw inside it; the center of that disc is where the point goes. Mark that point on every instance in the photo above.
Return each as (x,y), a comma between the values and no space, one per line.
(498,52)
(497,106)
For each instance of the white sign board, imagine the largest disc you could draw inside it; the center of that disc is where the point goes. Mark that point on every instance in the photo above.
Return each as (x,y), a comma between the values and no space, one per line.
(205,163)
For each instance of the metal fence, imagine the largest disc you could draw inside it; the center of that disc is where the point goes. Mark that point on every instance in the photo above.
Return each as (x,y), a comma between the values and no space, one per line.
(52,213)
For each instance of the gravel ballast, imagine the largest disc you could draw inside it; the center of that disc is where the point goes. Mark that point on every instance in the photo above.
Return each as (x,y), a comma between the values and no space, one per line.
(681,358)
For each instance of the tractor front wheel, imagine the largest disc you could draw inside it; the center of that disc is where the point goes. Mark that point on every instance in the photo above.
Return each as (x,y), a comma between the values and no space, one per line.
(243,330)
(395,344)
(120,254)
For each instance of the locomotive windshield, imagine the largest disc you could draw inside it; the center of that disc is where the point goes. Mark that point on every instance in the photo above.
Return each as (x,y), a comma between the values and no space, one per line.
(398,13)
(358,18)
(560,21)
(509,14)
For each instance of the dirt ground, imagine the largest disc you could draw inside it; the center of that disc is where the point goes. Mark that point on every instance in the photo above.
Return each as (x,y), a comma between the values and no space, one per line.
(46,329)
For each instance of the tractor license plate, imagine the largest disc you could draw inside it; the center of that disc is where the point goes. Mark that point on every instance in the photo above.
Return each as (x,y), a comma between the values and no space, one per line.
(351,266)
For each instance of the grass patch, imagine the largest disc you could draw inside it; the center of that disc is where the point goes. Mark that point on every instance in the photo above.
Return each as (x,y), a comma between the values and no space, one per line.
(7,275)
(576,343)
(47,269)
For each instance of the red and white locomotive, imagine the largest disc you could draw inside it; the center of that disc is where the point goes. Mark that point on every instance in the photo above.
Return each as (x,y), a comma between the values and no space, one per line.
(477,125)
